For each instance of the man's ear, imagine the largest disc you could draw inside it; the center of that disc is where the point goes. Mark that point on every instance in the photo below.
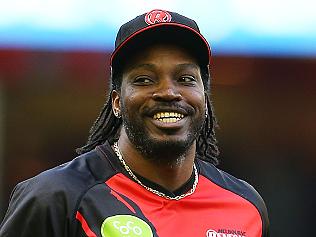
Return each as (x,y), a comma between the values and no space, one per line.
(116,103)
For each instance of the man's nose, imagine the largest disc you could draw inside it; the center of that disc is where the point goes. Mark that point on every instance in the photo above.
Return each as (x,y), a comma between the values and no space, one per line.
(167,91)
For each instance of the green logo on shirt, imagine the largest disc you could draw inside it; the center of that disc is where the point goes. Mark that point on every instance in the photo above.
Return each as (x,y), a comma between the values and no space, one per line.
(125,225)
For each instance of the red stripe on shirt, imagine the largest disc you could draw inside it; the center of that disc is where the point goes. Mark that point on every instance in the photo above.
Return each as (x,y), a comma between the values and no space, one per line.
(85,225)
(115,194)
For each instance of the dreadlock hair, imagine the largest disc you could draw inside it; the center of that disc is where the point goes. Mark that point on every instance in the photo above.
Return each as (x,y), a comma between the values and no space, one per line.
(107,125)
(206,142)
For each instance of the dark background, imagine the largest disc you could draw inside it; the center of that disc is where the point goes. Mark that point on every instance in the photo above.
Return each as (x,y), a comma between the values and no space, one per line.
(265,108)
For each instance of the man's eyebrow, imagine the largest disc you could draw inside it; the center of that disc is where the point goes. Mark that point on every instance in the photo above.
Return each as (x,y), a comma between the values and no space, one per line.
(187,66)
(142,65)
(177,67)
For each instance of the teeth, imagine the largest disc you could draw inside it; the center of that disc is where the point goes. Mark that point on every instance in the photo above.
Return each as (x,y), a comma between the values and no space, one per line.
(169,120)
(168,117)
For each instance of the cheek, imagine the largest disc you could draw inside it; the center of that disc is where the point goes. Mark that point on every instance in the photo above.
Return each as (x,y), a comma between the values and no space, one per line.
(202,106)
(132,100)
(197,99)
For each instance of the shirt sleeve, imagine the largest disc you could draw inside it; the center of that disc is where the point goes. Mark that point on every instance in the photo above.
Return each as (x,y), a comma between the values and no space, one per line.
(34,210)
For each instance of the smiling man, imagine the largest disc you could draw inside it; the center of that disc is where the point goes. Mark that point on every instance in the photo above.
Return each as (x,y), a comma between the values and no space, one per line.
(149,166)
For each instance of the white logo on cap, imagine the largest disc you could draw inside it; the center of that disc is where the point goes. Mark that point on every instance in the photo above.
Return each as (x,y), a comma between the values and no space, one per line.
(157,16)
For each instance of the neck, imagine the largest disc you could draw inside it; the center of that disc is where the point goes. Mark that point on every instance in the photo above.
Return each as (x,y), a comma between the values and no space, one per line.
(170,175)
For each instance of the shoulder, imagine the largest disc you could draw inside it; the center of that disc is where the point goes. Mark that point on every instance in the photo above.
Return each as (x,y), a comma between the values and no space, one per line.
(73,173)
(63,183)
(50,197)
(236,186)
(229,182)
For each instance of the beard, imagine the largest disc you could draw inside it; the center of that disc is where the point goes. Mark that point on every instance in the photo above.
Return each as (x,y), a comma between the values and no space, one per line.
(164,151)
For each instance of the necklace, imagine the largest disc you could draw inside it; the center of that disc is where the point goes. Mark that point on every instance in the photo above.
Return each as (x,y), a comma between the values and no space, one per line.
(160,194)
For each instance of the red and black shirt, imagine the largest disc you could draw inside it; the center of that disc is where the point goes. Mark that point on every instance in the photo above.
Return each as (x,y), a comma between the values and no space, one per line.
(94,196)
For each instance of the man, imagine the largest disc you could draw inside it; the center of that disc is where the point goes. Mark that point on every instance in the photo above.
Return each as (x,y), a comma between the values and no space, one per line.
(148,166)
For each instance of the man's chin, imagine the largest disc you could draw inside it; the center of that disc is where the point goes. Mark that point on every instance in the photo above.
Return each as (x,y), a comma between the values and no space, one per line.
(167,149)
(158,146)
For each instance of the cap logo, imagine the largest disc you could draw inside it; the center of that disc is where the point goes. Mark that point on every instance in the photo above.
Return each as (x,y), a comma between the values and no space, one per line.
(157,16)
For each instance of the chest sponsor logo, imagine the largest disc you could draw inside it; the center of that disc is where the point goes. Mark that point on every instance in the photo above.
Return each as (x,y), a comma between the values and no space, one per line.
(125,226)
(225,233)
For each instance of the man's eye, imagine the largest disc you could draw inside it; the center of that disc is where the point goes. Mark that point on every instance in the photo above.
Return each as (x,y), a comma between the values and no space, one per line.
(143,80)
(187,79)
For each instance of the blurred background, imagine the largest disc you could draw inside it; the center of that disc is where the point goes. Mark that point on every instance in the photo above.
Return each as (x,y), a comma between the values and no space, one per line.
(54,69)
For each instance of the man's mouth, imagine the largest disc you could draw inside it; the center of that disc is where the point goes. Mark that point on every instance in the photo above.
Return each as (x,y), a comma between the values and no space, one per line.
(168,117)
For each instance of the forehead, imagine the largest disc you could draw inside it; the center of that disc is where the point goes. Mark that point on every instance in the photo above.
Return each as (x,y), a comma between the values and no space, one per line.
(165,54)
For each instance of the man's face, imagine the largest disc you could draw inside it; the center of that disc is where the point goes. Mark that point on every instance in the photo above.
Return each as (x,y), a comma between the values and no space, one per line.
(162,101)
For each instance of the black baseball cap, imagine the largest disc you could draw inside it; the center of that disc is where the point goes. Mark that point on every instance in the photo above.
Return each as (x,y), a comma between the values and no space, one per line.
(158,26)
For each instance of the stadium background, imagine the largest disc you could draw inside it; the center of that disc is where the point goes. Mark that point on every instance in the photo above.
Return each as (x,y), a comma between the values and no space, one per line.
(264,93)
